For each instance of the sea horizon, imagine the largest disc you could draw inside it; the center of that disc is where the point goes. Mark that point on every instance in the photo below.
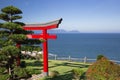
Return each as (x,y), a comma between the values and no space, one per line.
(86,45)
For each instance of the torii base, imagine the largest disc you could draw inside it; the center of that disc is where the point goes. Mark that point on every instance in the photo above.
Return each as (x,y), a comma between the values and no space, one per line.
(45,74)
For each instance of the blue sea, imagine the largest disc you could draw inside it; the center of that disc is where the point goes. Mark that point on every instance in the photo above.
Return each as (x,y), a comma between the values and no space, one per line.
(90,45)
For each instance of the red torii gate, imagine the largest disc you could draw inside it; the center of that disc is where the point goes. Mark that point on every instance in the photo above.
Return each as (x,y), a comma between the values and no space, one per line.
(44,27)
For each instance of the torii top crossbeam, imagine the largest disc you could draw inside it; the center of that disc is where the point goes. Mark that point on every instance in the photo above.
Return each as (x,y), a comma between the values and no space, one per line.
(44,27)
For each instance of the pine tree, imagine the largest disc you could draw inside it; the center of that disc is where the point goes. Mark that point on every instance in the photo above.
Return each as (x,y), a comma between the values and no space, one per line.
(12,36)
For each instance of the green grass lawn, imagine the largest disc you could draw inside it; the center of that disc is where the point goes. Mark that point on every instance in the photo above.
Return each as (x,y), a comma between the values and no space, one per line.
(66,66)
(60,66)
(63,67)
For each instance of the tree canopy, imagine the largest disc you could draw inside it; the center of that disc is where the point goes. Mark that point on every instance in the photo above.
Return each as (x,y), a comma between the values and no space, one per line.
(12,34)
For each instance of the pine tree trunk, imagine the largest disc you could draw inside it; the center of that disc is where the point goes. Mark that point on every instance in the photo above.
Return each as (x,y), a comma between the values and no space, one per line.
(9,70)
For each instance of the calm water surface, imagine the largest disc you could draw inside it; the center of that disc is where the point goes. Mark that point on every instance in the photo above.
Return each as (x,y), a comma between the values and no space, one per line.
(86,44)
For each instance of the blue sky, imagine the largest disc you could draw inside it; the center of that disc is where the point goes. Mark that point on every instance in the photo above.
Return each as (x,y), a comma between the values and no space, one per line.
(91,16)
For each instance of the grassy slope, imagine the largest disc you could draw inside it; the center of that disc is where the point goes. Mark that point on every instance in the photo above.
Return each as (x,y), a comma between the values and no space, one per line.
(60,66)
(66,66)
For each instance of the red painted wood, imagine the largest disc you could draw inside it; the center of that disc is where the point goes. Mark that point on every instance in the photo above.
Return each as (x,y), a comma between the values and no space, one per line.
(53,36)
(38,36)
(45,36)
(18,61)
(40,27)
(18,45)
(45,56)
(45,52)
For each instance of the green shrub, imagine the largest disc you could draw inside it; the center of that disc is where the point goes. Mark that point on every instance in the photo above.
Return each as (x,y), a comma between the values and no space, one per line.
(103,69)
(4,76)
(21,72)
(77,73)
(99,57)
(22,64)
(2,70)
(53,74)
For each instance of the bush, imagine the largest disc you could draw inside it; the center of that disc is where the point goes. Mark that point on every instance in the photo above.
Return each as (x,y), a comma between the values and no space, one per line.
(22,64)
(103,69)
(99,57)
(4,76)
(53,74)
(21,72)
(2,70)
(77,73)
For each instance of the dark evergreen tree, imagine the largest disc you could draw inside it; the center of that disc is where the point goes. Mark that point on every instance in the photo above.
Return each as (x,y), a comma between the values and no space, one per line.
(12,36)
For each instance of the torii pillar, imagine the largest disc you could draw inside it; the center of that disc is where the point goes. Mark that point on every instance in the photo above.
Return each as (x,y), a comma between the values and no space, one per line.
(44,27)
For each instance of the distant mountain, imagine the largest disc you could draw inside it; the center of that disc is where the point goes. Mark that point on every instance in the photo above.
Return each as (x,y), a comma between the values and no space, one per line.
(74,31)
(59,31)
(63,31)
